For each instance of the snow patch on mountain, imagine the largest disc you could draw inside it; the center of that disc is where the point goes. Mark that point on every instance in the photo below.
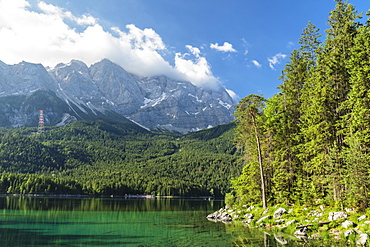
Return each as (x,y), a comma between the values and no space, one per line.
(226,105)
(153,102)
(66,119)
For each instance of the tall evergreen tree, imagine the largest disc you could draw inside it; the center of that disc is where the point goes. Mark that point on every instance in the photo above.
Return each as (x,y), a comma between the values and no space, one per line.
(316,131)
(322,111)
(357,121)
(283,114)
(249,133)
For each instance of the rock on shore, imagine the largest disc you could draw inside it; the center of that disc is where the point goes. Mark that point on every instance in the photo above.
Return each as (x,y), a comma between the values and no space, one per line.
(339,225)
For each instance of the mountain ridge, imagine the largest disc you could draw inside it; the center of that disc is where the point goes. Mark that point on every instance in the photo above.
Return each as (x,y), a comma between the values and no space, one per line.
(157,102)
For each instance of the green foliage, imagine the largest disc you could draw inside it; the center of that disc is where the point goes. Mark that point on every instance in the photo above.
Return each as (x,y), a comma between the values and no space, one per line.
(333,224)
(315,133)
(245,188)
(250,136)
(115,157)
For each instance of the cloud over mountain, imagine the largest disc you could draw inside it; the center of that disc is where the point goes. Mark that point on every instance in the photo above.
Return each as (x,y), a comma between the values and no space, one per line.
(196,70)
(47,34)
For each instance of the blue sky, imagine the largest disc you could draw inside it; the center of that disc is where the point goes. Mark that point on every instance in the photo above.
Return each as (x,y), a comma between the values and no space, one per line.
(241,45)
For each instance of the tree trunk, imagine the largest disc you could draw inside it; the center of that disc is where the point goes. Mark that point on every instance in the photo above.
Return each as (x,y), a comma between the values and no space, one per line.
(263,186)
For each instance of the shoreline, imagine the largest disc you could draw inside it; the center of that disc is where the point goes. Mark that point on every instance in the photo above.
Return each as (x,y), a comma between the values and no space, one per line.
(139,196)
(314,223)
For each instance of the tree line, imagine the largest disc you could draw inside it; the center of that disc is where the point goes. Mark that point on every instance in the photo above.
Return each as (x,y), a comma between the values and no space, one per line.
(310,142)
(117,158)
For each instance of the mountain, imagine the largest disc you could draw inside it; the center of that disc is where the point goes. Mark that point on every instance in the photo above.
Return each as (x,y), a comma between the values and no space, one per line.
(74,91)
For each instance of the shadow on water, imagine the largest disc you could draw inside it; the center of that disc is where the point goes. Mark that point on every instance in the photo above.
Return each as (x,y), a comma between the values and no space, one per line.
(107,204)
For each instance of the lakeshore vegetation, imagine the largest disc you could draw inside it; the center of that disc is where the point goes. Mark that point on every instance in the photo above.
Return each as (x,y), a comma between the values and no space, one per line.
(310,143)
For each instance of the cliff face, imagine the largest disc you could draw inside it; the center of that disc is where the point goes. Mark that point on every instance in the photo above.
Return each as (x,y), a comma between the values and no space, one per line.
(75,91)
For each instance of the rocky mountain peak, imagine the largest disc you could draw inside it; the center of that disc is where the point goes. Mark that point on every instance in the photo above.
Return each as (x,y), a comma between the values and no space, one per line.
(23,78)
(153,102)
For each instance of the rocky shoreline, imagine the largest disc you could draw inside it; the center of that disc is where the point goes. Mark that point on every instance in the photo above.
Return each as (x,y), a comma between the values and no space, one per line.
(303,223)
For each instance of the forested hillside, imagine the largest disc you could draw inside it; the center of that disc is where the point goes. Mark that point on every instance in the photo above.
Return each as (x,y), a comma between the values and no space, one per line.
(114,157)
(310,143)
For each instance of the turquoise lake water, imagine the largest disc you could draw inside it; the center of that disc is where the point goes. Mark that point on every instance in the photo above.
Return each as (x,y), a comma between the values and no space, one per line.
(52,221)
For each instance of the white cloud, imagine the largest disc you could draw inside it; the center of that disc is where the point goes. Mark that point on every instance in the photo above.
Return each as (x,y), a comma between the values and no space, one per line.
(256,63)
(275,60)
(233,95)
(53,35)
(50,9)
(246,45)
(226,47)
(195,51)
(197,70)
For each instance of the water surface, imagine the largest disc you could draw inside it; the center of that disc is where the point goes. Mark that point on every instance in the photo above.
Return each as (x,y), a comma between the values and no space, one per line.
(36,221)
(55,221)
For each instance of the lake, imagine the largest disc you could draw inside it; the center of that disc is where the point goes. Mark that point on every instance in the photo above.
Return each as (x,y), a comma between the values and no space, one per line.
(66,221)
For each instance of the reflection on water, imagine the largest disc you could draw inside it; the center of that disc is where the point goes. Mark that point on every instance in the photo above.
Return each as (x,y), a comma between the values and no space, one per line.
(43,221)
(107,204)
(51,221)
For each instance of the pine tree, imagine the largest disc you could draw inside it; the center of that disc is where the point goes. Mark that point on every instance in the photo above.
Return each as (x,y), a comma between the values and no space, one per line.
(356,123)
(283,114)
(248,135)
(322,111)
(314,135)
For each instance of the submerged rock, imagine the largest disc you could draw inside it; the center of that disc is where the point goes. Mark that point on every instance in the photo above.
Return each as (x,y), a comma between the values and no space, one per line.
(220,215)
(280,239)
(303,232)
